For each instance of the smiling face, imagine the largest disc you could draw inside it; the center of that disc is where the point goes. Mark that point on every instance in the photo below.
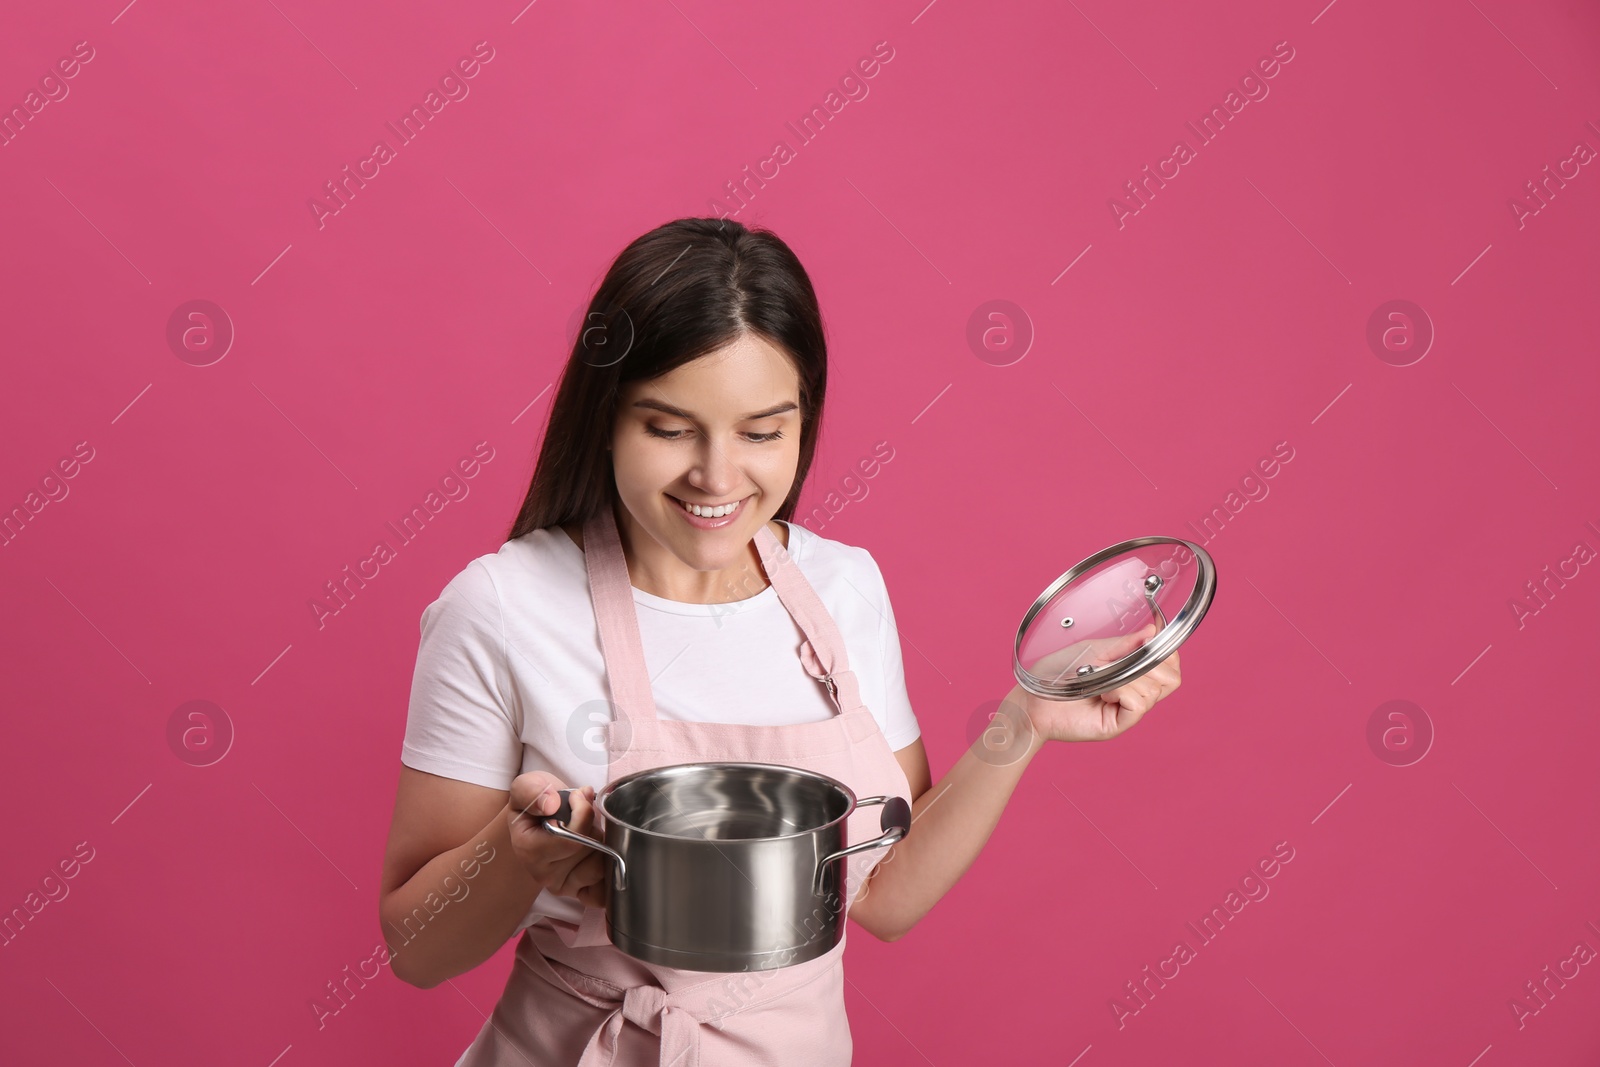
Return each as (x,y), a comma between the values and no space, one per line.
(723,430)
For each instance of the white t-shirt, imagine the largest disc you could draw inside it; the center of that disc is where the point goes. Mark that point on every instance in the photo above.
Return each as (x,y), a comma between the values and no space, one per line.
(510,678)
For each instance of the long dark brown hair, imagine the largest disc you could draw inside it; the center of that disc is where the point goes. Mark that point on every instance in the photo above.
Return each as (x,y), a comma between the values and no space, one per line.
(677,293)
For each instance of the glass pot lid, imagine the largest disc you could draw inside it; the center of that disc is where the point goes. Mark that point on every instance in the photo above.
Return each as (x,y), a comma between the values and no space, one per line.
(1078,640)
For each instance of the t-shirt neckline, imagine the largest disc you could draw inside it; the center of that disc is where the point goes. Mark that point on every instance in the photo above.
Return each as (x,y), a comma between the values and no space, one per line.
(680,607)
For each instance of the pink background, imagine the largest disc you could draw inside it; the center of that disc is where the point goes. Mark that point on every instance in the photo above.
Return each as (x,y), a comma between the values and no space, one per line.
(1228,315)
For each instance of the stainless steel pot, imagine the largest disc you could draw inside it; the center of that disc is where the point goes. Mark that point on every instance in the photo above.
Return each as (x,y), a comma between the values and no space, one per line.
(728,866)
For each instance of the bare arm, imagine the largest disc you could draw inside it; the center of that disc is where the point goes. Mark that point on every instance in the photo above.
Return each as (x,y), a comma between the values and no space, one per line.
(952,821)
(453,890)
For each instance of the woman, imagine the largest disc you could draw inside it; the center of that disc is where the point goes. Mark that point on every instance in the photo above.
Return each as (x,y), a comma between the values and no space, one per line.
(654,603)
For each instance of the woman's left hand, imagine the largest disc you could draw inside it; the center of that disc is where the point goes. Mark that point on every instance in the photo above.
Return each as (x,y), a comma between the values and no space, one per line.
(1102,717)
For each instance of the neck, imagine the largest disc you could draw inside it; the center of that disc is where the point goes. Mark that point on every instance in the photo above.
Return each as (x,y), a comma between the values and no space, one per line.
(653,568)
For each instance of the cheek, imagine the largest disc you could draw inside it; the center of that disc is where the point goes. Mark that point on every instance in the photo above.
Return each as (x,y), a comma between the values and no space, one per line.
(775,473)
(639,465)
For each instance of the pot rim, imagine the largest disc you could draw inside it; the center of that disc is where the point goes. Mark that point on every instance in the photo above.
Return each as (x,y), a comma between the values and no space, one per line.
(605,793)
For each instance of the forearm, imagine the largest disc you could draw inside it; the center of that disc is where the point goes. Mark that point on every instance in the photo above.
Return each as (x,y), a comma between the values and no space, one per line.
(951,822)
(459,908)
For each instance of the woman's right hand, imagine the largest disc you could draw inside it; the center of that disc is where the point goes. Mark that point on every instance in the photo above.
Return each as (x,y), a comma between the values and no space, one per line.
(565,868)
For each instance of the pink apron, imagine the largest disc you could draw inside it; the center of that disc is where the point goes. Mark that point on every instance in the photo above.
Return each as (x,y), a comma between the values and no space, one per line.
(573,998)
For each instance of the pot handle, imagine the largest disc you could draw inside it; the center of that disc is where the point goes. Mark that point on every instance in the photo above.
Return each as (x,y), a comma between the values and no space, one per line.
(895,824)
(554,824)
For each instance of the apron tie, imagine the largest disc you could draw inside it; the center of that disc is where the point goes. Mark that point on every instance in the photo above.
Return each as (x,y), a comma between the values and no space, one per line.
(647,1006)
(650,1008)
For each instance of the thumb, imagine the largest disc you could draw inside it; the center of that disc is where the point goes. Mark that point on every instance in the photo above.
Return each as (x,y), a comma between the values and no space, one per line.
(534,793)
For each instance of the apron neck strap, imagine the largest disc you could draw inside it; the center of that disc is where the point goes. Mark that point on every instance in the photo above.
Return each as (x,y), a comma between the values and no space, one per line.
(822,653)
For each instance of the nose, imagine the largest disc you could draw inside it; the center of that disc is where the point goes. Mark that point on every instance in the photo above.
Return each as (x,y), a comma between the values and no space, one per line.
(714,472)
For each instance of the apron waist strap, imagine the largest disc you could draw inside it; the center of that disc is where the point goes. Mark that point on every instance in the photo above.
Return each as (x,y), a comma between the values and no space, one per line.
(647,1006)
(676,1017)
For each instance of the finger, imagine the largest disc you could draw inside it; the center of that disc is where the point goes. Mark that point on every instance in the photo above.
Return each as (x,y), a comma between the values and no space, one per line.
(1134,702)
(586,872)
(535,792)
(1129,718)
(1112,648)
(1144,696)
(595,896)
(1165,677)
(583,820)
(581,812)
(525,826)
(530,831)
(1152,690)
(541,849)
(1137,696)
(528,816)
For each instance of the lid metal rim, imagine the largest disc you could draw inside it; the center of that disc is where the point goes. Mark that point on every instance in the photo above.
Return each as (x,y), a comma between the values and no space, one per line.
(1141,659)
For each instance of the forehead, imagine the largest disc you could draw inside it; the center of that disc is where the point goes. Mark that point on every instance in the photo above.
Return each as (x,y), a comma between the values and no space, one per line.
(747,375)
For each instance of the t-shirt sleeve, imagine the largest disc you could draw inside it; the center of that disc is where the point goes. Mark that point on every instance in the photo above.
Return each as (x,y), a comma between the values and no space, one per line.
(902,727)
(459,723)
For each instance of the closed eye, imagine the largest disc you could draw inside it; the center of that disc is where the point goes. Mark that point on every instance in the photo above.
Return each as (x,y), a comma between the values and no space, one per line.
(675,435)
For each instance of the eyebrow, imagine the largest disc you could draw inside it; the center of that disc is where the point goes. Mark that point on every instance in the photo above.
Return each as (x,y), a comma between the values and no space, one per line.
(657,405)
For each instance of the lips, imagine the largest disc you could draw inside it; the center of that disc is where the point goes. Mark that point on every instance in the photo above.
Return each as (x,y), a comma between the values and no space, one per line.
(705,522)
(700,504)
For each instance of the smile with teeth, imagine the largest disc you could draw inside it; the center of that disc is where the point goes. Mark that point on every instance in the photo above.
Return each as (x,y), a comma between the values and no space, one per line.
(707,512)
